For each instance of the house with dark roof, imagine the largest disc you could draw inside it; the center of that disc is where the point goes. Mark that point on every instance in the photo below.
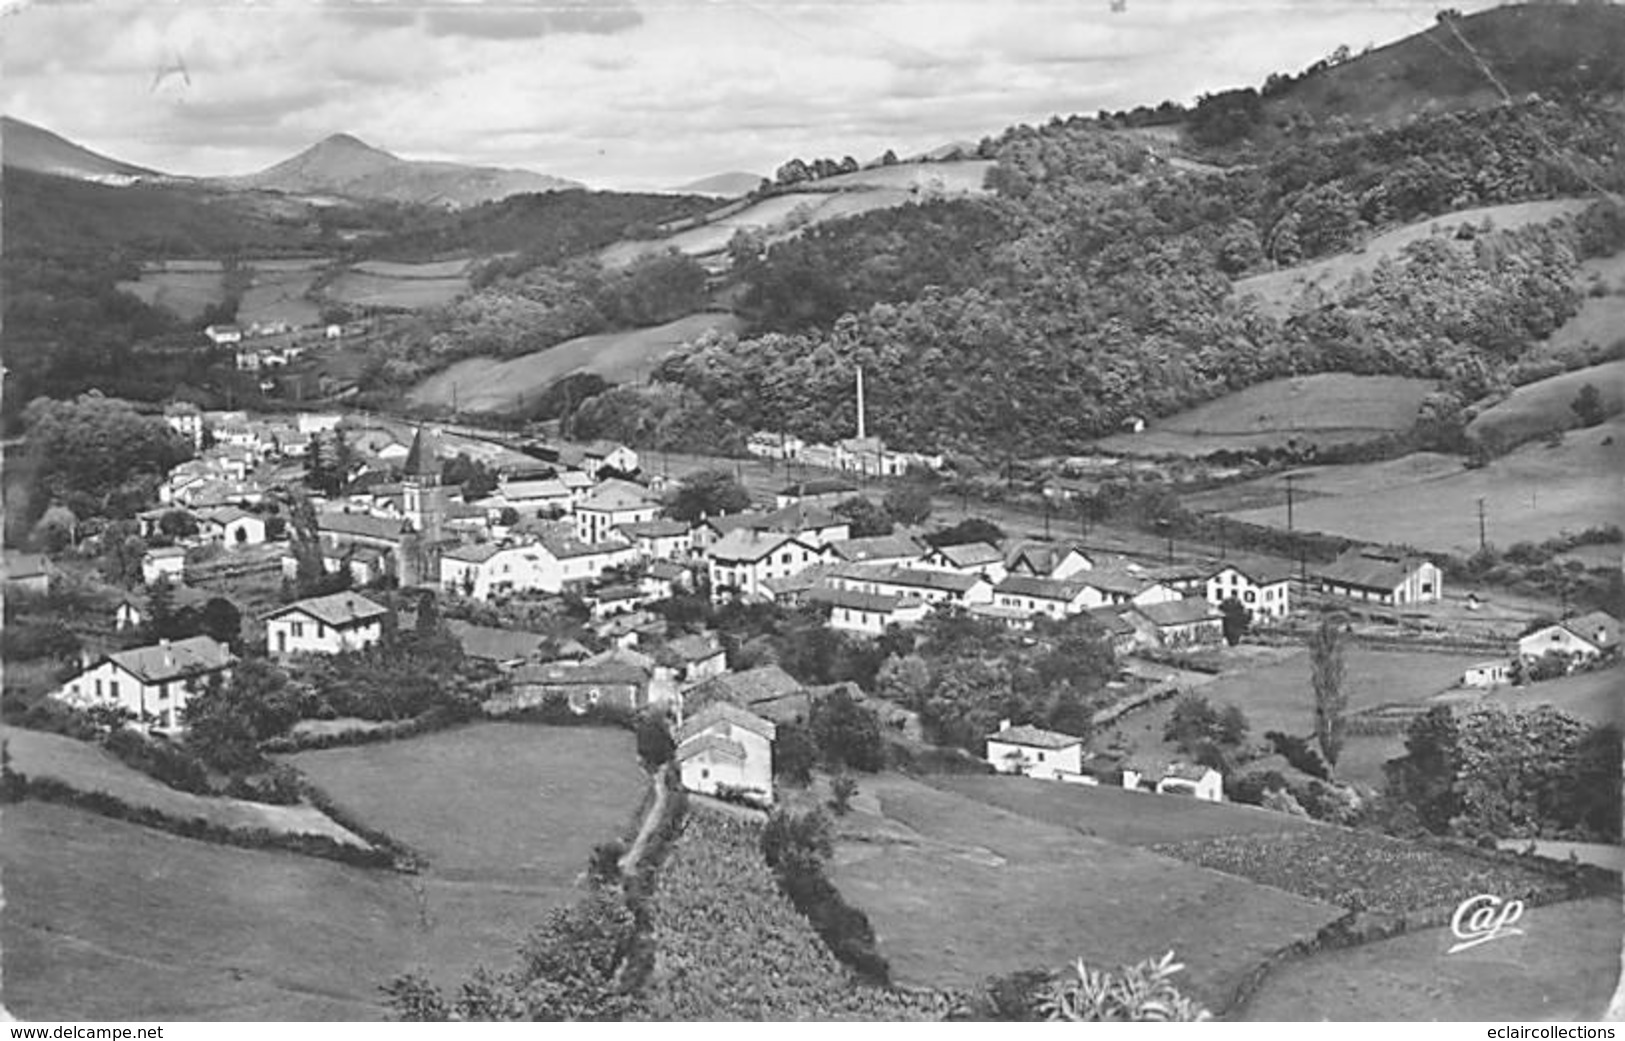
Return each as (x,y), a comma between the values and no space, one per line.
(152,683)
(1261,585)
(1036,752)
(970,558)
(231,526)
(1383,576)
(332,624)
(867,614)
(504,648)
(767,690)
(877,549)
(744,562)
(725,748)
(1046,560)
(692,658)
(934,587)
(1055,598)
(1589,636)
(658,539)
(595,683)
(1178,623)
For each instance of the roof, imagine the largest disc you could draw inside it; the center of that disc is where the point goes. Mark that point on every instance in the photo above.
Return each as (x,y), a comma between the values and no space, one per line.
(361,524)
(693,647)
(970,554)
(1111,619)
(491,644)
(615,498)
(543,488)
(710,744)
(1179,612)
(423,459)
(877,547)
(753,686)
(609,594)
(750,546)
(821,486)
(800,517)
(1262,571)
(724,712)
(916,578)
(808,578)
(1587,626)
(166,552)
(159,663)
(336,609)
(1371,568)
(555,674)
(226,514)
(1041,588)
(1042,557)
(1035,737)
(564,546)
(653,529)
(665,570)
(1113,580)
(852,600)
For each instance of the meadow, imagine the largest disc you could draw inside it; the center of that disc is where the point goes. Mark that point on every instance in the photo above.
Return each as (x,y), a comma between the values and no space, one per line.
(1026,894)
(489,385)
(1562,968)
(108,920)
(1431,501)
(1535,408)
(1592,696)
(1329,408)
(277,292)
(409,287)
(1276,290)
(185,288)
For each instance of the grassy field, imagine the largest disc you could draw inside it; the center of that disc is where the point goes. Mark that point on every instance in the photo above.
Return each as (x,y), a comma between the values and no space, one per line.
(1116,814)
(1276,290)
(187,293)
(1563,968)
(489,385)
(1598,324)
(379,283)
(1592,696)
(1431,501)
(89,769)
(958,890)
(1535,408)
(1326,409)
(277,293)
(494,802)
(106,920)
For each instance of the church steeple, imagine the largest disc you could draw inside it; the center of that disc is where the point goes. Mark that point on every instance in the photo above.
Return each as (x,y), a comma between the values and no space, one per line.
(423,461)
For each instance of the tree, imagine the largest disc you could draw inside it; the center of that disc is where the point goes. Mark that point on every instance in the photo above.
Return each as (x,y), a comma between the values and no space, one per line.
(160,614)
(847,733)
(225,724)
(867,520)
(1236,620)
(655,744)
(121,559)
(1587,406)
(1326,675)
(1424,778)
(178,524)
(841,791)
(55,530)
(97,456)
(221,620)
(972,529)
(795,753)
(708,493)
(908,504)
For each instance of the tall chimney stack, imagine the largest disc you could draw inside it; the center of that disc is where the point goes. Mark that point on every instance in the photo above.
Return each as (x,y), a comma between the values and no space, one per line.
(861,429)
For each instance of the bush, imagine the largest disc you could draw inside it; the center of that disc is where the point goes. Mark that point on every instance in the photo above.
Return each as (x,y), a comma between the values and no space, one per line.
(168,764)
(655,744)
(1135,993)
(796,847)
(1297,752)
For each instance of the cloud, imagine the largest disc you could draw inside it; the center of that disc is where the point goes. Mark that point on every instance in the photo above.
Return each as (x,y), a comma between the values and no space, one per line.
(531,20)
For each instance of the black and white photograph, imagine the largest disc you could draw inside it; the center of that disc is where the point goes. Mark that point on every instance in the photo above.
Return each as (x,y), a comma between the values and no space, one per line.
(663,511)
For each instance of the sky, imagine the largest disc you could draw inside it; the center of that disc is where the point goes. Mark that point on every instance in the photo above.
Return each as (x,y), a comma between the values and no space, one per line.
(632,94)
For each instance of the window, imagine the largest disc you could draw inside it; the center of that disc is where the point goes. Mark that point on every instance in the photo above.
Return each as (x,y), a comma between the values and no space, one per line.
(1041,757)
(163,692)
(112,689)
(298,629)
(321,630)
(1251,596)
(98,688)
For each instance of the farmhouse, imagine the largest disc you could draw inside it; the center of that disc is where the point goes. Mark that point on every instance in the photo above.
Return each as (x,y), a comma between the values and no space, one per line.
(768,691)
(607,455)
(1201,782)
(610,683)
(822,491)
(1487,674)
(1180,623)
(744,561)
(1261,586)
(153,683)
(1114,585)
(868,614)
(1589,636)
(1035,752)
(692,659)
(535,498)
(231,526)
(813,525)
(329,624)
(726,748)
(1045,596)
(1382,576)
(971,558)
(1123,634)
(167,562)
(29,573)
(504,648)
(610,505)
(767,445)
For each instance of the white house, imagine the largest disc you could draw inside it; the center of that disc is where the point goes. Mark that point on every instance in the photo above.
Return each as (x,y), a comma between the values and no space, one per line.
(725,747)
(232,526)
(220,335)
(165,562)
(1046,596)
(547,564)
(868,614)
(610,505)
(934,587)
(1488,674)
(1046,560)
(1179,623)
(1035,752)
(1201,782)
(330,624)
(744,560)
(658,539)
(971,558)
(186,419)
(767,445)
(602,455)
(1381,576)
(153,683)
(1588,636)
(1261,586)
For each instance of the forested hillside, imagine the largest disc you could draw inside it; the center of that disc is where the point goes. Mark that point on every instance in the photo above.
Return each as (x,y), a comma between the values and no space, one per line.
(1096,286)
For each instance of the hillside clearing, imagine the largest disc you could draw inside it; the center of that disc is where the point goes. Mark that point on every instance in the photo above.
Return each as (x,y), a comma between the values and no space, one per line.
(277,293)
(1535,408)
(108,920)
(1276,290)
(88,768)
(1029,895)
(1431,502)
(1325,409)
(1563,967)
(490,385)
(381,283)
(187,293)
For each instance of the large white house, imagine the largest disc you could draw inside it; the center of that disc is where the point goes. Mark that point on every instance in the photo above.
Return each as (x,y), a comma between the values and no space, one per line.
(744,561)
(329,624)
(153,683)
(725,747)
(868,614)
(1036,752)
(1588,636)
(1047,596)
(658,539)
(1261,586)
(548,564)
(610,505)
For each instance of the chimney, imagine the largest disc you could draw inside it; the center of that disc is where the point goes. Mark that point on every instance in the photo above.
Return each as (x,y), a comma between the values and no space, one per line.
(1004,724)
(169,657)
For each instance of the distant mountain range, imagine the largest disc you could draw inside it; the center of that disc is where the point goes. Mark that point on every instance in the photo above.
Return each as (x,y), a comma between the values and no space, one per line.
(339,165)
(347,166)
(29,147)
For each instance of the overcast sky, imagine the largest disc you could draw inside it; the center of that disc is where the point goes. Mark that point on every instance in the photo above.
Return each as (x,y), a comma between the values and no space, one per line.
(633,93)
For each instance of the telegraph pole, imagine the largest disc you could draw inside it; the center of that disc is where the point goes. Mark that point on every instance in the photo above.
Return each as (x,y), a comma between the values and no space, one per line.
(1289,480)
(1481,539)
(1046,518)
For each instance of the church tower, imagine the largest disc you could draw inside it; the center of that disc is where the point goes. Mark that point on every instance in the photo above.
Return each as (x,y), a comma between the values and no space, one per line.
(424,503)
